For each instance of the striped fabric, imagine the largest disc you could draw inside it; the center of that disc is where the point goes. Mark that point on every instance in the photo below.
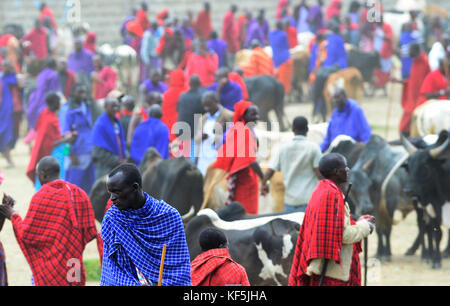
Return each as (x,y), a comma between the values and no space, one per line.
(3,275)
(134,239)
(260,63)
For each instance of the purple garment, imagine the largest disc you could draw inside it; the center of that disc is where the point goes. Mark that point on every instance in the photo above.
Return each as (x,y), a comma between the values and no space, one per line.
(315,18)
(123,29)
(6,114)
(187,32)
(150,86)
(220,47)
(255,31)
(81,62)
(47,81)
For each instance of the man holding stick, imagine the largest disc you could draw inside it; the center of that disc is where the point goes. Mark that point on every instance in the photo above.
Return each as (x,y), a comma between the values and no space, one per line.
(134,231)
(328,235)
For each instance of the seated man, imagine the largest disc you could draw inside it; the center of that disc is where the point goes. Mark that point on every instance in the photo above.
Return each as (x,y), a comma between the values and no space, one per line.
(347,119)
(150,133)
(134,232)
(108,138)
(229,92)
(215,267)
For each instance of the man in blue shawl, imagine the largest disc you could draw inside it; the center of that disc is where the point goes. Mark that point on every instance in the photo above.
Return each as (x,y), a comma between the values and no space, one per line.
(219,46)
(80,169)
(8,79)
(47,81)
(150,133)
(336,53)
(229,92)
(256,31)
(108,138)
(134,230)
(347,119)
(80,61)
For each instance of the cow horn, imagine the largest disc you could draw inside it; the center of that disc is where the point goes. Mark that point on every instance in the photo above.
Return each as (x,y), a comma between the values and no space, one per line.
(437,152)
(410,148)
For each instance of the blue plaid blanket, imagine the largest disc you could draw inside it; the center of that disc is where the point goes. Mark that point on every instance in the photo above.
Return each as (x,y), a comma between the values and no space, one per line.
(134,238)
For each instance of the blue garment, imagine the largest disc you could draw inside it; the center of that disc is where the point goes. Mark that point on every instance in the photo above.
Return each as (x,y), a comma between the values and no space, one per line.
(81,62)
(280,47)
(60,153)
(104,135)
(336,53)
(255,31)
(351,122)
(134,238)
(230,94)
(149,86)
(80,119)
(220,47)
(6,111)
(312,58)
(150,133)
(406,39)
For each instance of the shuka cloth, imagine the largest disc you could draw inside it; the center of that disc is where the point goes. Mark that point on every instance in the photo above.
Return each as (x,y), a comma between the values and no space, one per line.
(47,132)
(260,63)
(104,135)
(230,94)
(336,53)
(6,110)
(216,268)
(58,225)
(107,83)
(3,272)
(134,238)
(237,78)
(280,46)
(150,133)
(203,26)
(320,235)
(230,32)
(434,81)
(235,156)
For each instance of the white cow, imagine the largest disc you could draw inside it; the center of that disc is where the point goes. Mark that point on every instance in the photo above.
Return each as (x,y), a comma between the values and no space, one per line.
(431,118)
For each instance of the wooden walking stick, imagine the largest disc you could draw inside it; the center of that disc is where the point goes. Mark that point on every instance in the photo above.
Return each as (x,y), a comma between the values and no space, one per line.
(389,110)
(161,266)
(366,246)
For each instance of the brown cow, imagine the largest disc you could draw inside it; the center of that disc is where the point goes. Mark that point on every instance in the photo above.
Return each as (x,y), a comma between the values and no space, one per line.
(300,58)
(350,79)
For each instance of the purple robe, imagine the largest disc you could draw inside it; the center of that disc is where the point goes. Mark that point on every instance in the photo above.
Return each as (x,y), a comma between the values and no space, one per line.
(81,62)
(220,47)
(47,81)
(150,86)
(187,32)
(6,111)
(255,31)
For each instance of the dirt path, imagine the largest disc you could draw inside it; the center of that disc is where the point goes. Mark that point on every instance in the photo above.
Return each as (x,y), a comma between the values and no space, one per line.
(402,270)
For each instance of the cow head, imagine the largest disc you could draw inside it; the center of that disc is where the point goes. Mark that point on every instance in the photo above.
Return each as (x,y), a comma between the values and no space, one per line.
(360,192)
(428,177)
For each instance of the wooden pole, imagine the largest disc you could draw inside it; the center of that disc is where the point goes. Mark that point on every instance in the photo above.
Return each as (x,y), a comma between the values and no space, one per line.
(161,266)
(389,110)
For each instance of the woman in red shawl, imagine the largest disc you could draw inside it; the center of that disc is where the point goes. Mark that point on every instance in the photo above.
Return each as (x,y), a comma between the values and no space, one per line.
(237,156)
(328,233)
(170,99)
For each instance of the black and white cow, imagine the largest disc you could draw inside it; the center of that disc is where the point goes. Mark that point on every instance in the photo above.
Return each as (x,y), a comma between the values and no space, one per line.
(263,245)
(429,182)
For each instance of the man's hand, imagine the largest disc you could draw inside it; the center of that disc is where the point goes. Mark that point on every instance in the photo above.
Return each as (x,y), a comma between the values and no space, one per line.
(370,219)
(6,209)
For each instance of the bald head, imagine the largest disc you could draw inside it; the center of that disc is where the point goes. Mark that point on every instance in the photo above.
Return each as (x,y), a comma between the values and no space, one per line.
(155,111)
(48,169)
(333,166)
(112,107)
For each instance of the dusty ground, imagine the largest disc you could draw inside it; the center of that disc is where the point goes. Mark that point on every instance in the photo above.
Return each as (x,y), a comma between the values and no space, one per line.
(402,270)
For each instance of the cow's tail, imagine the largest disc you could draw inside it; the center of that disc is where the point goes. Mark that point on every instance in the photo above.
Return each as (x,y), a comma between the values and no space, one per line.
(279,107)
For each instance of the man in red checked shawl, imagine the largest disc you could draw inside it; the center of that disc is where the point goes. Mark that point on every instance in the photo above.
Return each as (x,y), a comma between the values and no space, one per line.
(58,225)
(215,267)
(237,156)
(329,234)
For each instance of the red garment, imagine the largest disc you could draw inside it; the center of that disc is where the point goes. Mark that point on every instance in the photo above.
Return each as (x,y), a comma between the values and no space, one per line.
(230,32)
(47,12)
(284,74)
(203,66)
(387,50)
(216,268)
(203,26)
(292,37)
(411,89)
(320,235)
(235,156)
(434,81)
(4,40)
(243,24)
(143,113)
(108,79)
(38,40)
(135,28)
(89,43)
(168,33)
(283,4)
(334,9)
(48,131)
(142,19)
(161,16)
(70,81)
(124,112)
(58,225)
(236,77)
(260,63)
(170,99)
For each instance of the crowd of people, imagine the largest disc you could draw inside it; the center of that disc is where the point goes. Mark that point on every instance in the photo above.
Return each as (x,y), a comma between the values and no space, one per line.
(191,88)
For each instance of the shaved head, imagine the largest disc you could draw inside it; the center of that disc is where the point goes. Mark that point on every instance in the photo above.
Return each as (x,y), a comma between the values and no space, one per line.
(48,169)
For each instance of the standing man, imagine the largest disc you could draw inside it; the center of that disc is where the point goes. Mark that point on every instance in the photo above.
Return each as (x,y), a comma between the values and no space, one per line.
(66,77)
(220,47)
(203,62)
(150,42)
(298,162)
(62,235)
(134,231)
(81,63)
(209,138)
(215,267)
(203,26)
(230,34)
(103,79)
(347,119)
(141,16)
(229,92)
(328,235)
(108,138)
(78,118)
(35,42)
(282,60)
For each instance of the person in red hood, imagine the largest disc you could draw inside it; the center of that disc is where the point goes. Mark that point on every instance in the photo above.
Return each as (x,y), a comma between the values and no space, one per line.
(237,156)
(215,267)
(177,86)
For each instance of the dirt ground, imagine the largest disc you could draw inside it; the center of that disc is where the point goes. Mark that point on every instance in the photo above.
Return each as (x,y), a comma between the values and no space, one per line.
(401,271)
